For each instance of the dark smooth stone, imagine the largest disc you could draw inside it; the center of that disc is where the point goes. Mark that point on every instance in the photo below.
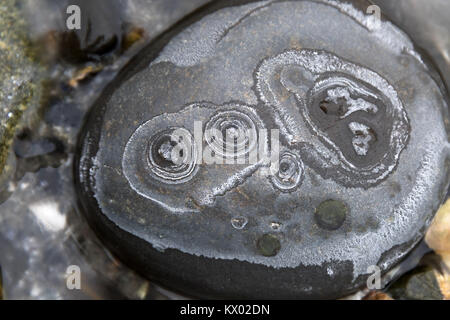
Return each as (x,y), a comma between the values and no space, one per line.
(100,33)
(361,122)
(419,284)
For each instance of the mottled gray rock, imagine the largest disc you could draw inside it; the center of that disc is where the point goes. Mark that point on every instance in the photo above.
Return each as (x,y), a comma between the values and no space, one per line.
(21,87)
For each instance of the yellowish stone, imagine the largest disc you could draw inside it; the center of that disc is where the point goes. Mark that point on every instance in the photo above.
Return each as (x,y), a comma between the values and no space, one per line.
(438,239)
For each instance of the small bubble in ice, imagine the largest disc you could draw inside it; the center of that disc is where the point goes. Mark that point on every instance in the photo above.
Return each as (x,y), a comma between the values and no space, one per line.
(239,223)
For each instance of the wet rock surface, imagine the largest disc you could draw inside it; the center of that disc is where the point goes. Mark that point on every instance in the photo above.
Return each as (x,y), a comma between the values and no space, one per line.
(437,238)
(21,87)
(360,167)
(40,232)
(421,284)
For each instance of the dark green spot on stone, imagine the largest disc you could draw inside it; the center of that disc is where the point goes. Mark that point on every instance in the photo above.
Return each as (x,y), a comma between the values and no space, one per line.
(330,214)
(268,245)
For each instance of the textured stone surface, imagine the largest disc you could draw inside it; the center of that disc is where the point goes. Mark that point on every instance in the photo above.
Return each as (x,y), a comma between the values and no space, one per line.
(413,16)
(361,122)
(20,83)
